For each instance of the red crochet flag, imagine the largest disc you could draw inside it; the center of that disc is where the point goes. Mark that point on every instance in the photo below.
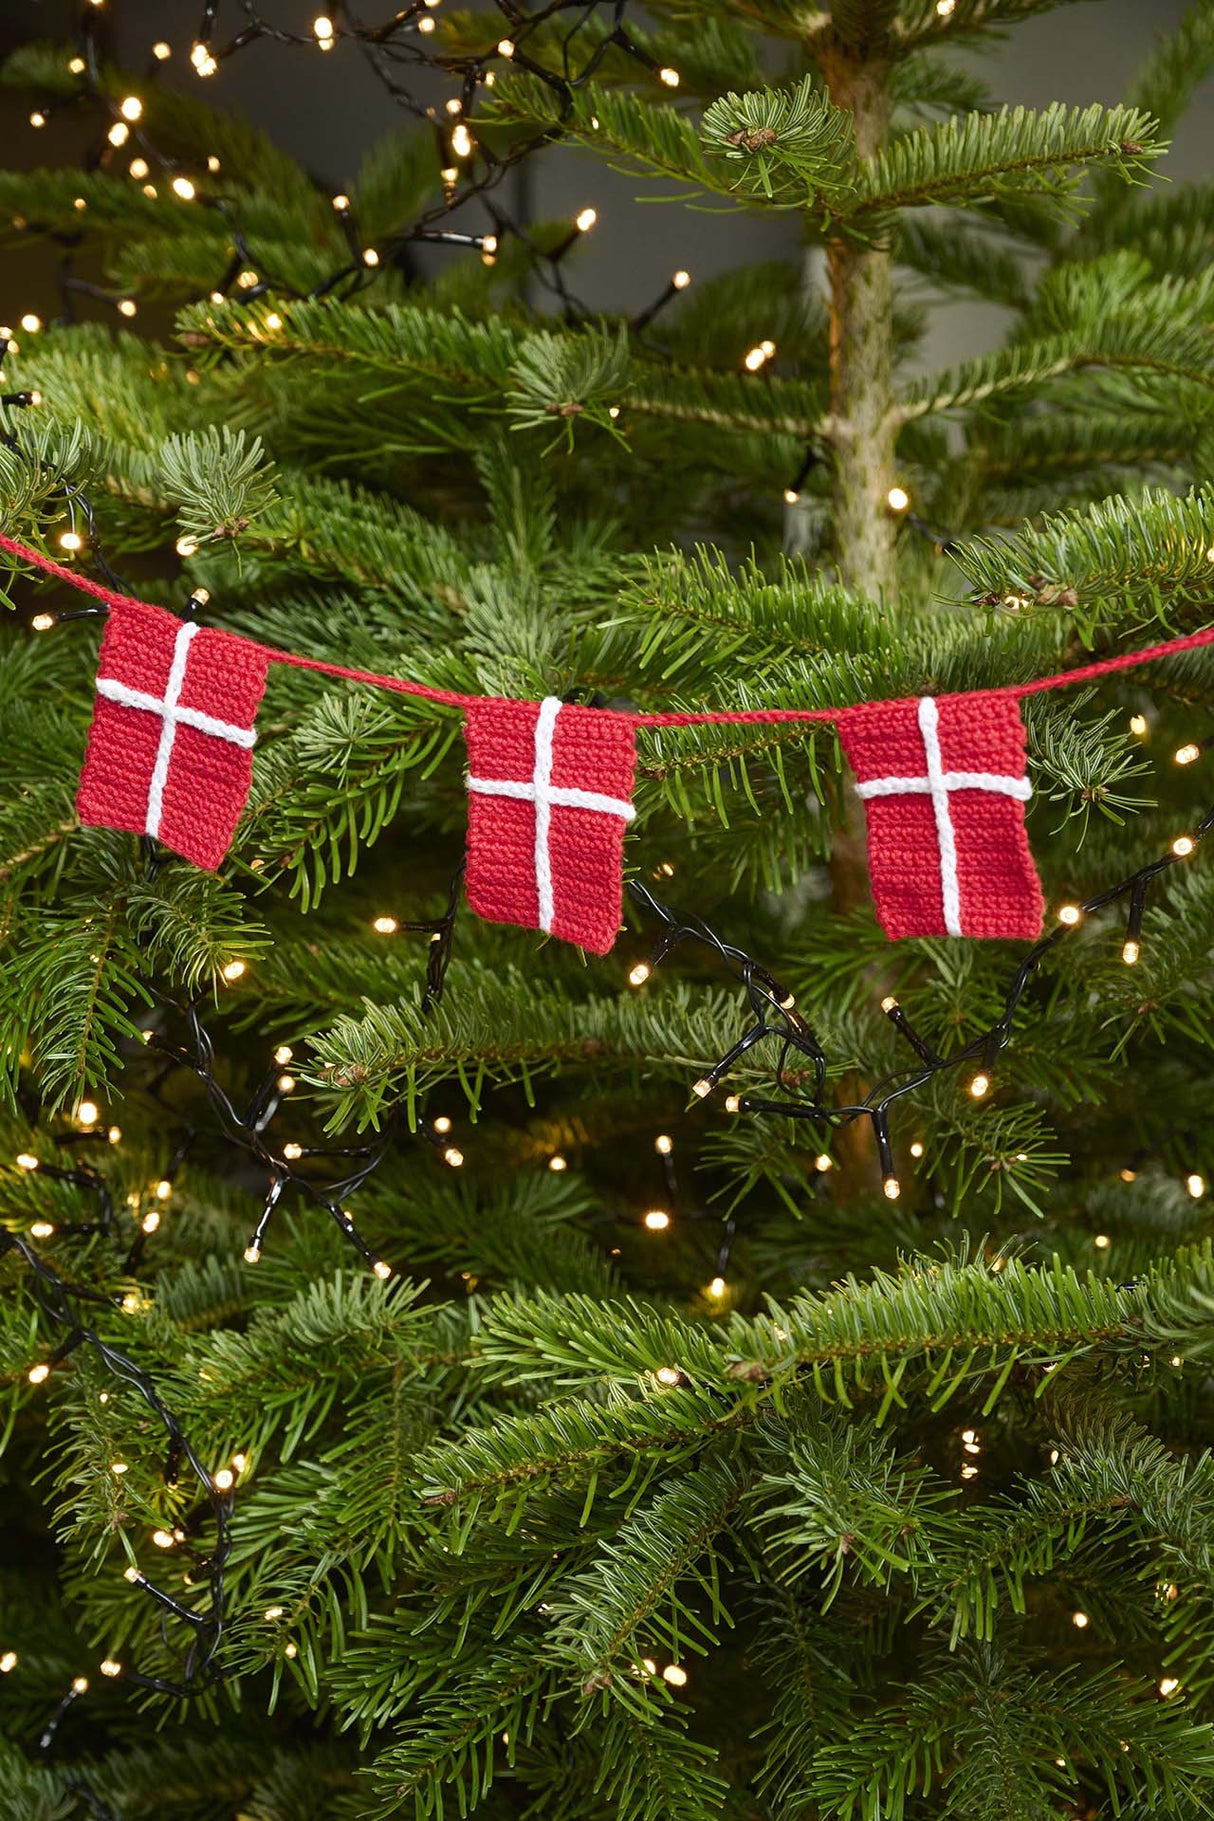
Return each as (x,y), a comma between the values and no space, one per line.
(550,791)
(944,787)
(169,751)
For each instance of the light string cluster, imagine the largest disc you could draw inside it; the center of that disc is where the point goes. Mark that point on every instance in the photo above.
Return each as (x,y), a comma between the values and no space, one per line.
(775,1018)
(470,167)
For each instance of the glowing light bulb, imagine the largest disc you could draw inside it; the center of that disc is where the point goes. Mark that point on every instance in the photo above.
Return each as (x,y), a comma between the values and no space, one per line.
(111,1667)
(1130,951)
(1070,914)
(1196,1185)
(164,1189)
(252,1254)
(1080,1621)
(86,1112)
(150,1222)
(449,174)
(889,1004)
(1187,754)
(668,1375)
(505,47)
(1139,724)
(638,975)
(203,62)
(1102,1242)
(1168,1685)
(77,66)
(31,323)
(42,1229)
(216,297)
(119,133)
(8,1662)
(791,496)
(681,280)
(892,1188)
(42,622)
(286,1084)
(341,204)
(453,1156)
(80,1684)
(585,220)
(716,1288)
(701,1088)
(80,203)
(127,306)
(70,540)
(283,1054)
(149,189)
(663,1145)
(897,499)
(442,1124)
(273,320)
(240,1462)
(657,1220)
(462,142)
(120,1467)
(733,1103)
(187,546)
(557,1164)
(212,163)
(322,25)
(382,1270)
(945,7)
(669,77)
(753,359)
(163,1539)
(675,1675)
(130,1303)
(823,1162)
(37,118)
(130,107)
(247,279)
(979,1086)
(1128,1175)
(292,1650)
(232,970)
(370,256)
(916,1149)
(425,25)
(39,1374)
(273,1612)
(489,244)
(1183,846)
(224,1480)
(162,51)
(184,188)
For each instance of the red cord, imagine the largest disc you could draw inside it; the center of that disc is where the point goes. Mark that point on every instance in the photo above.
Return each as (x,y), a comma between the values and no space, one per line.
(1086,673)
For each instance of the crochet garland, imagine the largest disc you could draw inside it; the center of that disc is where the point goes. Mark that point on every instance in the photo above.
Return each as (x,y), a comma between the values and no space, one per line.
(550,784)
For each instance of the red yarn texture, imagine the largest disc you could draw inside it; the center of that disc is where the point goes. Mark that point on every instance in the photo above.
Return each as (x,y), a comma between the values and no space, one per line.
(953,859)
(533,858)
(148,769)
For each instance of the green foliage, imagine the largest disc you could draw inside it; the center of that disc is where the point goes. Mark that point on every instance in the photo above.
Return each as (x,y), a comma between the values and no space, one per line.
(576,1516)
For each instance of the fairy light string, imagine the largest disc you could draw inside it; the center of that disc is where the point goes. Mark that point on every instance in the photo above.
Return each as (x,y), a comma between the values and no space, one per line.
(406,43)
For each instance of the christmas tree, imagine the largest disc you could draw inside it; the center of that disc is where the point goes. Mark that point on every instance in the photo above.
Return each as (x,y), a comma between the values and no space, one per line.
(757,1372)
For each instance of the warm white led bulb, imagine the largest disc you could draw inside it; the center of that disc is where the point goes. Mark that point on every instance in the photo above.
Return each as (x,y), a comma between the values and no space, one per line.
(897,499)
(130,107)
(657,1220)
(669,76)
(585,220)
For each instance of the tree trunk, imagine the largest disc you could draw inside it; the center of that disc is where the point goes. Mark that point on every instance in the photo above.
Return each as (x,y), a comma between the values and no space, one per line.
(861,313)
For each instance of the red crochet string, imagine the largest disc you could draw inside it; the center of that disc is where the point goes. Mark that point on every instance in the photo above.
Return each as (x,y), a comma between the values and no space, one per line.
(1086,673)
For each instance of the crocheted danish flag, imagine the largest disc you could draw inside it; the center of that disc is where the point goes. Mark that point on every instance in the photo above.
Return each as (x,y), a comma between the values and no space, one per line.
(550,793)
(944,789)
(170,747)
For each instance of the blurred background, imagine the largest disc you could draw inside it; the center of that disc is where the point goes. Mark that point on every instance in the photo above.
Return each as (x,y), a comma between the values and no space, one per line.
(329,109)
